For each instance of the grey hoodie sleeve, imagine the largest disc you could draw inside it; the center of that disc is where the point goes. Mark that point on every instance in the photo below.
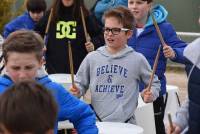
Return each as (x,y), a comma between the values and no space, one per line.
(182,115)
(82,78)
(146,72)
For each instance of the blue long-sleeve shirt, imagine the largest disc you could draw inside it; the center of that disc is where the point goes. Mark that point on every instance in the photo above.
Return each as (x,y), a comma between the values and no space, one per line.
(23,21)
(70,107)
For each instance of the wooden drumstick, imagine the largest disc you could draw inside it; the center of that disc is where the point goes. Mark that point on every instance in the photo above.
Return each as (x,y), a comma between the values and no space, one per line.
(170,122)
(48,24)
(154,68)
(158,30)
(158,52)
(71,62)
(87,37)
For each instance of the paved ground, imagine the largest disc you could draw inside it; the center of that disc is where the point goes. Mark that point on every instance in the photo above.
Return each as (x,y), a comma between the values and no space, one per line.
(179,79)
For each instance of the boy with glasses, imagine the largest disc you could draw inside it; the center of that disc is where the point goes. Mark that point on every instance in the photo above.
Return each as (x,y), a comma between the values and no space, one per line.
(113,79)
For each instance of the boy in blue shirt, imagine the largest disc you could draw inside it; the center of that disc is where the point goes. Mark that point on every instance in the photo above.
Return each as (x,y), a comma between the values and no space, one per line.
(28,20)
(22,53)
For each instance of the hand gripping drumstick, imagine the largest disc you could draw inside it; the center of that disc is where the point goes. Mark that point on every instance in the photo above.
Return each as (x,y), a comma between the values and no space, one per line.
(170,122)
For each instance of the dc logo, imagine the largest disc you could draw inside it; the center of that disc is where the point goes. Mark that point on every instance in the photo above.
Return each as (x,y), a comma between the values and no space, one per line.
(66,30)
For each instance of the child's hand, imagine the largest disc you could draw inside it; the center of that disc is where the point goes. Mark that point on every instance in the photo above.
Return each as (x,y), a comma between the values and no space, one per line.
(74,131)
(168,52)
(74,90)
(176,129)
(89,46)
(147,95)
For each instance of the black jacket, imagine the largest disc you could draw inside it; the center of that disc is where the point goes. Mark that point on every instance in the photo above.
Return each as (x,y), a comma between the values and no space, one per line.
(67,28)
(194,101)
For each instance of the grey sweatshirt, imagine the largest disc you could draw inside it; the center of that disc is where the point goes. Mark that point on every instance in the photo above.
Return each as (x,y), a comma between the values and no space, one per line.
(192,53)
(114,82)
(182,116)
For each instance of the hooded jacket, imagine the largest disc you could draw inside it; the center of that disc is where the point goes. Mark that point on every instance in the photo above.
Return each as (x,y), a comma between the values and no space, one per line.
(148,43)
(103,5)
(192,53)
(21,22)
(114,82)
(70,108)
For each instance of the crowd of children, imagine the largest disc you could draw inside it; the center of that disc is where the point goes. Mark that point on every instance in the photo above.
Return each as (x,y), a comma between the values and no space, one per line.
(115,63)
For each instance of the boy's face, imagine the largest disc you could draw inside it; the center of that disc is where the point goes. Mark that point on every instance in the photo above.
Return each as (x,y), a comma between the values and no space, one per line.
(139,9)
(117,38)
(22,66)
(36,16)
(67,3)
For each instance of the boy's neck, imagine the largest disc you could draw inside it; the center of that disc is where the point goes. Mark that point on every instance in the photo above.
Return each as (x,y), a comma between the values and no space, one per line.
(141,23)
(114,51)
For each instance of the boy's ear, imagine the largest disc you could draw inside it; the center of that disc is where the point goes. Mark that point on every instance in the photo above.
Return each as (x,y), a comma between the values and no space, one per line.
(3,61)
(150,6)
(42,61)
(129,33)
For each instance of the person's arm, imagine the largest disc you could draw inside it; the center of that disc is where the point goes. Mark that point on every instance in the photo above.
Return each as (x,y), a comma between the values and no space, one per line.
(40,27)
(146,72)
(7,30)
(82,78)
(23,21)
(180,120)
(10,27)
(174,42)
(77,112)
(182,115)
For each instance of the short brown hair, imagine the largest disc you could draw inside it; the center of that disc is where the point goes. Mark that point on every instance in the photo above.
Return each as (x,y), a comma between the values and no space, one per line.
(148,1)
(23,41)
(27,107)
(124,16)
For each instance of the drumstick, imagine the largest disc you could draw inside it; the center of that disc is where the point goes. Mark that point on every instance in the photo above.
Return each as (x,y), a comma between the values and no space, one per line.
(48,24)
(158,30)
(71,62)
(154,68)
(170,122)
(87,37)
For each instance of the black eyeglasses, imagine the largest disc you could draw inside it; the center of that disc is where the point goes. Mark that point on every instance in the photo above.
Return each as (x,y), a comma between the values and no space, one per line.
(114,31)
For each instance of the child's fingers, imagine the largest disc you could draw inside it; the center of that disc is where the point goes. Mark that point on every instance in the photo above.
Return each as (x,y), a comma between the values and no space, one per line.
(89,46)
(75,91)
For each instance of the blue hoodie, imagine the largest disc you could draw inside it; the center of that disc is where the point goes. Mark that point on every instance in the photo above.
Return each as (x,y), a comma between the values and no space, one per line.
(21,22)
(70,108)
(104,5)
(148,43)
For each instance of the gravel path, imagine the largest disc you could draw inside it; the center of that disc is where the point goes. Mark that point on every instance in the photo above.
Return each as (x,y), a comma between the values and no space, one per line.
(178,78)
